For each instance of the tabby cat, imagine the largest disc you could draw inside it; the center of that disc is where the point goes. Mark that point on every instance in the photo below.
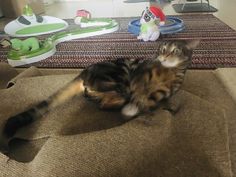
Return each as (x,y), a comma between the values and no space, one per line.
(133,86)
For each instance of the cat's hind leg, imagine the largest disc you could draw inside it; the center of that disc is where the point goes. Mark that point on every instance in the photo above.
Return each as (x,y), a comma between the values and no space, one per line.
(107,100)
(39,110)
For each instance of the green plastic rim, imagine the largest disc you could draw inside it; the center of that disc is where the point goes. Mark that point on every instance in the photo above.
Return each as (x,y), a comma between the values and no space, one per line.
(48,44)
(41,28)
(17,55)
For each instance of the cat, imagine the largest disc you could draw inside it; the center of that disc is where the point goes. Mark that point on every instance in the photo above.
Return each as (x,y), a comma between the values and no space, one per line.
(132,86)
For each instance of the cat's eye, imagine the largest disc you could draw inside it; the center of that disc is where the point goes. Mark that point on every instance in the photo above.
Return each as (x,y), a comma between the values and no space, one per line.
(163,50)
(176,51)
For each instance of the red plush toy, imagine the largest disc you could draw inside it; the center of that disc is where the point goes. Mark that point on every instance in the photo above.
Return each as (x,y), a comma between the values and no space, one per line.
(158,13)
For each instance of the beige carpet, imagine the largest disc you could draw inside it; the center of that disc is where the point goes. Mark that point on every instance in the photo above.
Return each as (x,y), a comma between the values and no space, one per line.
(228,79)
(78,139)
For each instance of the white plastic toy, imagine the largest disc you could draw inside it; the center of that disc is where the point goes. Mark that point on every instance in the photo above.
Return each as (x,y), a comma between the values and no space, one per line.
(33,50)
(149,30)
(29,24)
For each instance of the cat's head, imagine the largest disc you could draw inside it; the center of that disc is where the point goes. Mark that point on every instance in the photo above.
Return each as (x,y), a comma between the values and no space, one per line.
(174,53)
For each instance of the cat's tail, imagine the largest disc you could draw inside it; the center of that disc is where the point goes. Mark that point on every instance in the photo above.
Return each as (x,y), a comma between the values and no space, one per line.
(29,116)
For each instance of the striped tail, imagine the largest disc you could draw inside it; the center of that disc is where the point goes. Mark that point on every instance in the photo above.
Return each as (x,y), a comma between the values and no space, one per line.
(29,116)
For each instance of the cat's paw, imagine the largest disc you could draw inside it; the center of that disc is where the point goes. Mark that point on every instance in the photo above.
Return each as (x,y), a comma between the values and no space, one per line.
(129,111)
(18,121)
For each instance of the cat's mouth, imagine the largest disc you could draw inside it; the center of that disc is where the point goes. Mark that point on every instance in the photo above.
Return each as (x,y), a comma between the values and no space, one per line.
(169,64)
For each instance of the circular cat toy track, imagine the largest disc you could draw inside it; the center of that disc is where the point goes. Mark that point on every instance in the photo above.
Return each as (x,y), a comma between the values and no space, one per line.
(172,25)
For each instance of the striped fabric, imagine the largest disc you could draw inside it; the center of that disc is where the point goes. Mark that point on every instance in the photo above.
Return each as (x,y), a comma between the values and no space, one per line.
(217,48)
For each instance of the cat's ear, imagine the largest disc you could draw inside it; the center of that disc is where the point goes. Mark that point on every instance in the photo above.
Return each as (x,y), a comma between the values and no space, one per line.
(192,44)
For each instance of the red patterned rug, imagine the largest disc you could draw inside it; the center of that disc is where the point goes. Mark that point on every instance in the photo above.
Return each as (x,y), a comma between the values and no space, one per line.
(217,48)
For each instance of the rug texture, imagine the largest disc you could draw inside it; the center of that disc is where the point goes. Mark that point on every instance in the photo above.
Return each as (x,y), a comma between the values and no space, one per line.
(217,48)
(78,139)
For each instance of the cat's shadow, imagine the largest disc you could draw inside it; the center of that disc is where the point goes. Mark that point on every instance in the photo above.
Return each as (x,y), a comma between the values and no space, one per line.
(22,150)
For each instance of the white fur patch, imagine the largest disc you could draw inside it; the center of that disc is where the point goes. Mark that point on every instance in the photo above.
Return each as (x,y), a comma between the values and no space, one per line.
(170,64)
(130,110)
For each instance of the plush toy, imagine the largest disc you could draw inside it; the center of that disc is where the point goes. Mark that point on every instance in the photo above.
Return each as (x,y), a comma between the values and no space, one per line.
(24,46)
(149,23)
(81,14)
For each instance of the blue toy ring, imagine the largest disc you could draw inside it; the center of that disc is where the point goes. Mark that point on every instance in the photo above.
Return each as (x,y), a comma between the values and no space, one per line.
(172,26)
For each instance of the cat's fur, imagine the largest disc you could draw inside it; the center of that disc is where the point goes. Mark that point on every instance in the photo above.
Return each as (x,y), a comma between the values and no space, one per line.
(134,86)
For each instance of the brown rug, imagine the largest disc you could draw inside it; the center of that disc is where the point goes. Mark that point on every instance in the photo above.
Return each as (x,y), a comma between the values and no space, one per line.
(73,141)
(217,48)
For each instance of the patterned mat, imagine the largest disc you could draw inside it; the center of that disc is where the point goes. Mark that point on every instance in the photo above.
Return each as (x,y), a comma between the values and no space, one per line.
(217,48)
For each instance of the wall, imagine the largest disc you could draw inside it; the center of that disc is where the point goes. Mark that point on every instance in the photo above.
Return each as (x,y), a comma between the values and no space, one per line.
(1,12)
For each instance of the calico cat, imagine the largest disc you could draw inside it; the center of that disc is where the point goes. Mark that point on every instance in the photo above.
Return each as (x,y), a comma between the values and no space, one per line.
(132,86)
